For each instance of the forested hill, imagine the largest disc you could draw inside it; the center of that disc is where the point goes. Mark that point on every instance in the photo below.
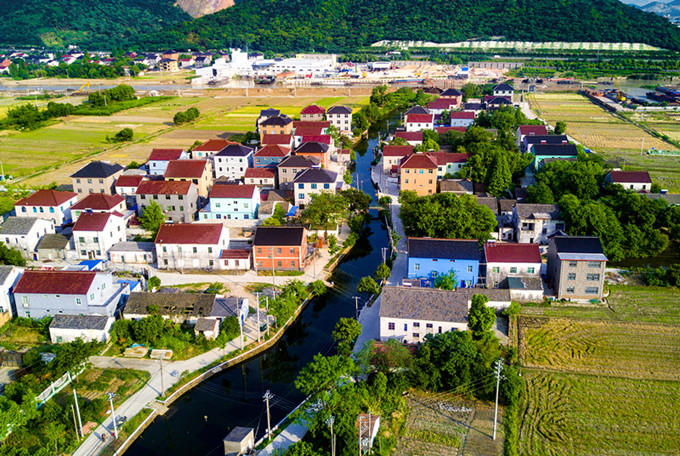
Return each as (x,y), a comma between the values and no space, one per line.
(344,25)
(95,24)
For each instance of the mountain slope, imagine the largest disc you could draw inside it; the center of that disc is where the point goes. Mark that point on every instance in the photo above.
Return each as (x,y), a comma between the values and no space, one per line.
(671,9)
(344,25)
(98,24)
(198,8)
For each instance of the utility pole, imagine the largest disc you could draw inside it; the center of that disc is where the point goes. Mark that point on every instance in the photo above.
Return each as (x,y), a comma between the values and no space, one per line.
(113,415)
(258,315)
(330,422)
(384,253)
(268,395)
(80,422)
(75,425)
(160,360)
(499,367)
(240,324)
(356,307)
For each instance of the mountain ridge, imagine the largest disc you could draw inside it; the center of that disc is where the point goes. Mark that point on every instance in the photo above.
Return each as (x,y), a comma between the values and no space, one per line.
(199,8)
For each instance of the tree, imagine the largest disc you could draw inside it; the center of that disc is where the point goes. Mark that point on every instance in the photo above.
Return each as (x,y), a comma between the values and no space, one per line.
(333,246)
(540,194)
(148,329)
(446,281)
(152,218)
(216,288)
(323,374)
(369,286)
(393,355)
(480,317)
(318,288)
(358,201)
(326,210)
(11,256)
(154,283)
(180,118)
(124,135)
(500,176)
(302,448)
(229,330)
(382,272)
(278,218)
(346,333)
(428,144)
(560,127)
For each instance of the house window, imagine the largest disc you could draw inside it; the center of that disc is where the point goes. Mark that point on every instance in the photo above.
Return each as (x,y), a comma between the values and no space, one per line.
(91,296)
(390,326)
(570,290)
(531,270)
(211,262)
(278,251)
(81,239)
(24,299)
(326,186)
(495,269)
(405,326)
(209,249)
(572,264)
(571,276)
(469,268)
(313,186)
(292,251)
(95,239)
(52,210)
(513,270)
(428,325)
(79,301)
(406,181)
(165,249)
(292,263)
(592,290)
(416,266)
(593,277)
(195,249)
(594,264)
(416,335)
(301,186)
(301,196)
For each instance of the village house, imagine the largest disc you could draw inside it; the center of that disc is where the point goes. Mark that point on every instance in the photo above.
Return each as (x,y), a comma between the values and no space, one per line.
(287,141)
(576,267)
(530,141)
(96,232)
(264,115)
(313,181)
(544,152)
(199,172)
(47,204)
(133,253)
(186,62)
(280,248)
(392,157)
(638,181)
(277,125)
(236,259)
(504,90)
(462,119)
(232,202)
(312,112)
(262,177)
(126,186)
(9,276)
(169,65)
(510,260)
(448,163)
(97,202)
(452,94)
(232,161)
(300,133)
(430,257)
(316,124)
(178,307)
(191,245)
(536,223)
(290,166)
(419,122)
(159,159)
(413,138)
(418,173)
(474,107)
(456,186)
(53,246)
(209,149)
(270,155)
(24,233)
(529,130)
(315,150)
(340,117)
(492,102)
(177,199)
(438,106)
(89,328)
(96,177)
(40,294)
(417,110)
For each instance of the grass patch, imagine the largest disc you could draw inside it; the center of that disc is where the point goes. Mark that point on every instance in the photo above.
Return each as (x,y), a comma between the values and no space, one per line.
(94,383)
(14,336)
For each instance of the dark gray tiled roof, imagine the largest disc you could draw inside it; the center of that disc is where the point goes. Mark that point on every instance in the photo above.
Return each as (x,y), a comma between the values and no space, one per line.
(456,185)
(279,121)
(98,169)
(312,147)
(417,110)
(94,322)
(279,235)
(506,205)
(226,307)
(133,246)
(298,161)
(423,304)
(235,150)
(270,112)
(452,93)
(205,324)
(188,304)
(238,434)
(561,150)
(503,87)
(4,272)
(18,225)
(552,211)
(549,139)
(53,241)
(671,198)
(339,110)
(489,201)
(315,176)
(449,249)
(578,244)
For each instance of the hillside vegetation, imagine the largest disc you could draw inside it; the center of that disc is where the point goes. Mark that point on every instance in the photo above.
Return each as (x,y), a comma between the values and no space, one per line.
(104,24)
(344,25)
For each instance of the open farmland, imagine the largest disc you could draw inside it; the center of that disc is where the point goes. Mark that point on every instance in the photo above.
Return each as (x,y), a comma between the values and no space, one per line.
(608,135)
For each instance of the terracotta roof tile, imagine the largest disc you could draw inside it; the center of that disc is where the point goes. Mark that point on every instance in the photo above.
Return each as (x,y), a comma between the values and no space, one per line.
(419,161)
(512,253)
(93,221)
(213,145)
(284,140)
(190,233)
(263,173)
(397,151)
(55,282)
(186,168)
(419,118)
(630,177)
(163,188)
(466,115)
(46,198)
(273,150)
(410,135)
(99,201)
(323,139)
(313,109)
(232,191)
(129,180)
(311,123)
(165,154)
(235,254)
(536,130)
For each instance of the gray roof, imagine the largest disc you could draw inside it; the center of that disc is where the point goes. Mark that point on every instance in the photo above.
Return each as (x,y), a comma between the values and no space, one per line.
(315,176)
(235,150)
(4,272)
(671,198)
(18,225)
(133,247)
(523,283)
(506,205)
(474,106)
(291,235)
(95,322)
(270,112)
(312,147)
(449,249)
(339,110)
(298,161)
(498,100)
(280,121)
(53,241)
(456,186)
(538,211)
(423,304)
(548,139)
(417,110)
(188,304)
(98,169)
(205,324)
(452,93)
(503,87)
(238,434)
(226,307)
(560,150)
(578,244)
(491,202)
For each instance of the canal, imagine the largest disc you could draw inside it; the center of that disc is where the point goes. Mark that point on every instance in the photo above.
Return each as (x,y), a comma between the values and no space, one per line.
(199,420)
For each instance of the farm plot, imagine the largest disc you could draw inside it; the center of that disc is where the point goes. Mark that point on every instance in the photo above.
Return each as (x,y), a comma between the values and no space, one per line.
(649,351)
(571,414)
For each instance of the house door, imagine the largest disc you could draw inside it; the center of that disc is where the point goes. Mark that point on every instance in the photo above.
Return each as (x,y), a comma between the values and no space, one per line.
(90,255)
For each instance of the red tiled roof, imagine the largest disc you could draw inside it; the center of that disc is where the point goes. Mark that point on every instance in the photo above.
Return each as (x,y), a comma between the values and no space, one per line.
(462,115)
(163,188)
(536,130)
(130,180)
(419,161)
(397,151)
(410,135)
(442,103)
(442,158)
(512,253)
(46,198)
(630,177)
(311,123)
(442,130)
(235,254)
(99,201)
(273,150)
(263,173)
(190,233)
(185,168)
(232,191)
(312,109)
(165,154)
(213,145)
(419,118)
(93,221)
(323,139)
(308,131)
(345,152)
(276,139)
(55,282)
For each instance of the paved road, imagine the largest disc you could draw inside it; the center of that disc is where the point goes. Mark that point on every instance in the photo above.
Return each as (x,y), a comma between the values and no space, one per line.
(291,434)
(370,325)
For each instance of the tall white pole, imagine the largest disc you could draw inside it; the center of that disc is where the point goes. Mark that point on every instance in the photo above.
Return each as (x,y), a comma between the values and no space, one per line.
(80,423)
(257,311)
(268,395)
(113,415)
(499,366)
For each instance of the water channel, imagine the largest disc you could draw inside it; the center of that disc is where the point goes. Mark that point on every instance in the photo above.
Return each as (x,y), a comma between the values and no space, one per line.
(199,420)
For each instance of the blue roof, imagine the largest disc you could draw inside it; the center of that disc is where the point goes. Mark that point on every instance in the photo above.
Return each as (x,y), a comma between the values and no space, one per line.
(292,211)
(91,264)
(133,283)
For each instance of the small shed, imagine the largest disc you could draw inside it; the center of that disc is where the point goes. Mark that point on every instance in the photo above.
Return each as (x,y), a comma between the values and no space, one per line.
(209,327)
(239,441)
(52,246)
(67,328)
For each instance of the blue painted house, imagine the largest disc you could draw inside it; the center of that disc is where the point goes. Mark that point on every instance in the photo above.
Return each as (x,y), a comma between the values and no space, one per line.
(232,202)
(428,258)
(270,155)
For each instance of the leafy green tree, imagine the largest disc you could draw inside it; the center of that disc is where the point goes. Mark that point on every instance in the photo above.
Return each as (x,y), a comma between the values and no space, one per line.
(393,356)
(11,256)
(326,210)
(229,330)
(216,288)
(318,288)
(427,145)
(346,333)
(124,135)
(382,272)
(278,217)
(500,176)
(148,329)
(480,317)
(152,218)
(180,118)
(560,127)
(323,374)
(540,194)
(358,201)
(302,448)
(369,286)
(446,281)
(333,246)
(154,283)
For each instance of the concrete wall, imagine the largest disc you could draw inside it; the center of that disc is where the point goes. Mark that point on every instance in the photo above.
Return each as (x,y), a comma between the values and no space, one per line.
(407,331)
(424,268)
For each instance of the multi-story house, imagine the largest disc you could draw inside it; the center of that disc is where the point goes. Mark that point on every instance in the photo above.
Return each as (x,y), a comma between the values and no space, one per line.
(262,177)
(169,65)
(418,172)
(462,119)
(280,248)
(576,267)
(340,117)
(429,258)
(97,202)
(9,276)
(529,130)
(448,163)
(159,159)
(232,161)
(312,112)
(266,114)
(452,94)
(270,155)
(232,202)
(638,181)
(323,124)
(413,138)
(96,177)
(311,182)
(209,149)
(419,122)
(504,90)
(510,260)
(47,204)
(530,141)
(177,199)
(126,186)
(277,125)
(301,132)
(287,141)
(292,165)
(24,233)
(392,157)
(536,223)
(315,150)
(544,152)
(199,172)
(41,294)
(440,105)
(191,246)
(96,232)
